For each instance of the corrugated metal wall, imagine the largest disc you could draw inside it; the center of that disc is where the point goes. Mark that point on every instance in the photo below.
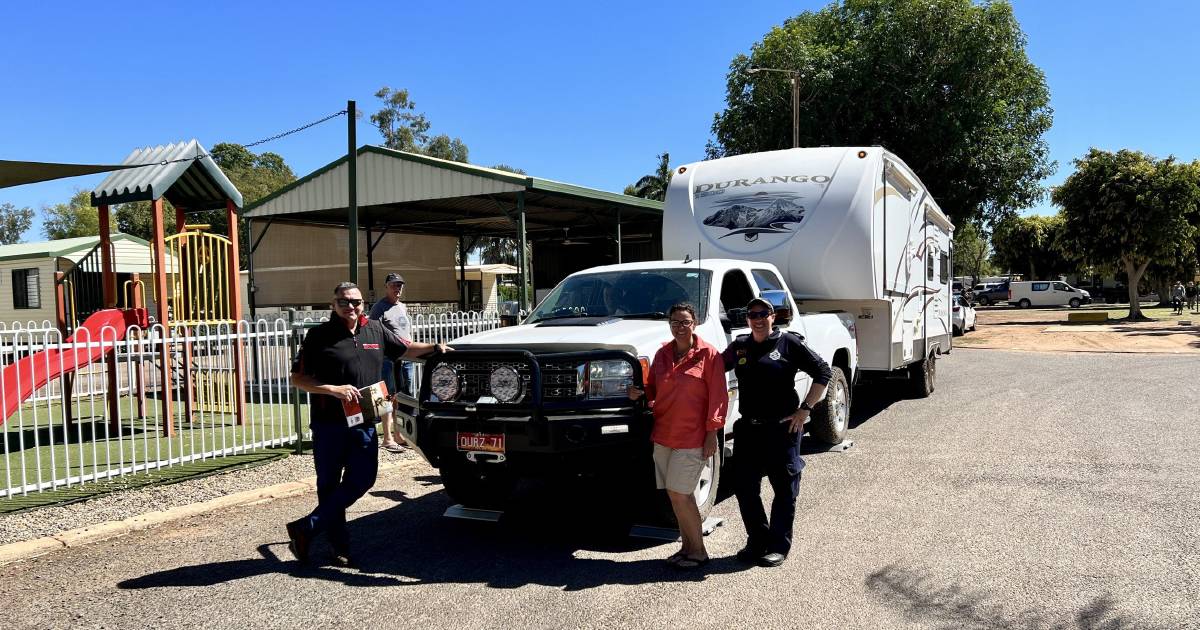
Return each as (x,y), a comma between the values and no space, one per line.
(300,265)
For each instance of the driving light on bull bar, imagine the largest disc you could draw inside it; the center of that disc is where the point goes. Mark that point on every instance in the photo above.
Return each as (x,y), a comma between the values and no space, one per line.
(505,384)
(609,379)
(444,383)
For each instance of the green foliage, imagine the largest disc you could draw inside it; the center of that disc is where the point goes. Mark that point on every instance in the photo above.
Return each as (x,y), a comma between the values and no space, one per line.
(405,129)
(971,251)
(13,223)
(510,169)
(1130,210)
(75,218)
(653,186)
(945,84)
(1030,245)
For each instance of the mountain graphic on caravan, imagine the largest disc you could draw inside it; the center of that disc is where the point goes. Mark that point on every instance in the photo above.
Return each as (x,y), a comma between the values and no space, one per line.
(757,214)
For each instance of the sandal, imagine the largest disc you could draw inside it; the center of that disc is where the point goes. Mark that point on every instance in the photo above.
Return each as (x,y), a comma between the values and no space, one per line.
(392,447)
(688,562)
(674,558)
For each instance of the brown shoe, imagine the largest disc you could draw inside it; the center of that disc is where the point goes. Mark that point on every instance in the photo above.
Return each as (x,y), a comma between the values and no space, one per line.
(299,540)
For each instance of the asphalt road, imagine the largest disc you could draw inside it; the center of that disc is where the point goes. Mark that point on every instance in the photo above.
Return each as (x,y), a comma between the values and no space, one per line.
(1031,491)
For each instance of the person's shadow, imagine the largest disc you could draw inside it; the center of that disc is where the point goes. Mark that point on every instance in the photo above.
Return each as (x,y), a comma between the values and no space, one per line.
(413,543)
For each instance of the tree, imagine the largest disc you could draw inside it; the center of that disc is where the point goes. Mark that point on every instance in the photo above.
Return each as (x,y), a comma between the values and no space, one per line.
(405,129)
(1030,244)
(946,84)
(75,218)
(653,186)
(13,223)
(1130,210)
(971,252)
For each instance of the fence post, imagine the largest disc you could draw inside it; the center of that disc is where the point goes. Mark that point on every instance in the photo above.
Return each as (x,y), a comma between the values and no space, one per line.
(296,421)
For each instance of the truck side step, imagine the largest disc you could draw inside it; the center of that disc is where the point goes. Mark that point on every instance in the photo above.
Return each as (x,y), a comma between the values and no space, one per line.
(472,514)
(667,534)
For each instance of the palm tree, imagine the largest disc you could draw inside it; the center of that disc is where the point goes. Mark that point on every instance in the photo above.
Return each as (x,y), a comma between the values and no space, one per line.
(653,186)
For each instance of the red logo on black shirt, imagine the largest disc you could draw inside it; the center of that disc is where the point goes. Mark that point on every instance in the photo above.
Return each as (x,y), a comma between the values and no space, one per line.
(370,346)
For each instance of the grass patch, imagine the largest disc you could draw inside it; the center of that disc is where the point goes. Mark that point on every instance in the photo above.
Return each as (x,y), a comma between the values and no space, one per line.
(160,476)
(38,445)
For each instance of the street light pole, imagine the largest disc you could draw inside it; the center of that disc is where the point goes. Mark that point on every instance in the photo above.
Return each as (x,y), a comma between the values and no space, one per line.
(795,77)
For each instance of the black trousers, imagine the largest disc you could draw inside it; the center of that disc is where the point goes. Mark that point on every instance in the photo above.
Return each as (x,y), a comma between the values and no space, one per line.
(770,450)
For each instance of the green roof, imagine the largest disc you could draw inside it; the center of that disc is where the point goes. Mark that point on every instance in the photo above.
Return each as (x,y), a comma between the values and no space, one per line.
(58,248)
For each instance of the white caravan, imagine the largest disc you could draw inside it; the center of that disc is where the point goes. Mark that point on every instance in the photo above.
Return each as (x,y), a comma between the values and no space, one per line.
(852,229)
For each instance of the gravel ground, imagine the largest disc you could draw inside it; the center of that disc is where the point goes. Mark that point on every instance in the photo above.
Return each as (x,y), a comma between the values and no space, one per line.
(129,503)
(1032,490)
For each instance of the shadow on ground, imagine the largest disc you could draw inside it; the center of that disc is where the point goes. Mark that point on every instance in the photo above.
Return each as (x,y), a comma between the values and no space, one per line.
(929,601)
(536,542)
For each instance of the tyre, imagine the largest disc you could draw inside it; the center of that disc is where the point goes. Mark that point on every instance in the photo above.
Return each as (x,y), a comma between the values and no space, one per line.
(705,493)
(1074,303)
(831,417)
(985,301)
(481,486)
(956,331)
(922,376)
(973,325)
(1024,303)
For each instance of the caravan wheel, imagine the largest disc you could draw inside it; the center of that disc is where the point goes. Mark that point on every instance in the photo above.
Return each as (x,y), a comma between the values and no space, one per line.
(922,376)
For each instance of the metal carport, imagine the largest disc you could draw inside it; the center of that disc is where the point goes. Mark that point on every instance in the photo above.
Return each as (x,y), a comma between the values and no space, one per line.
(398,191)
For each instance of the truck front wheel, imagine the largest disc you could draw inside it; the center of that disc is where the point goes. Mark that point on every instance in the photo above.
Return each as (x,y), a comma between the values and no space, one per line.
(831,417)
(481,486)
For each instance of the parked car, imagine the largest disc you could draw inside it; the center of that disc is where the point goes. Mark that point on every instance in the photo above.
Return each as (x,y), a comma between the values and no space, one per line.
(984,286)
(964,316)
(1046,293)
(996,294)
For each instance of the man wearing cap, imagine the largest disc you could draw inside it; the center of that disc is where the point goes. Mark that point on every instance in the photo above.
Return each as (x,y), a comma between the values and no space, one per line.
(336,360)
(767,434)
(393,314)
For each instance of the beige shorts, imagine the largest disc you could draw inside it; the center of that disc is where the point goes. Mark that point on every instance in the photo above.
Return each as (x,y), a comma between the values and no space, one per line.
(678,469)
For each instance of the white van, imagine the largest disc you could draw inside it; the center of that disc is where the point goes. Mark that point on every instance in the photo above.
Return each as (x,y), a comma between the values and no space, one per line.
(1046,293)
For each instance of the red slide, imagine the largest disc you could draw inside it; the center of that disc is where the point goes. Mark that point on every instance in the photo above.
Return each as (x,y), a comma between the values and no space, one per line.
(36,370)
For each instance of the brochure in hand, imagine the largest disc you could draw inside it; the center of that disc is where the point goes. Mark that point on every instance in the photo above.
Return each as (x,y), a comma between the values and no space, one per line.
(371,407)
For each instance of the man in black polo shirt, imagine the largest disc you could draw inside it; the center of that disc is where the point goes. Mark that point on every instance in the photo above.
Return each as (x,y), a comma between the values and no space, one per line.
(336,359)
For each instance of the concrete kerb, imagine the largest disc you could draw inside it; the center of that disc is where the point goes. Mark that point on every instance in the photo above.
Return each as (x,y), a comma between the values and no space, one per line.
(26,549)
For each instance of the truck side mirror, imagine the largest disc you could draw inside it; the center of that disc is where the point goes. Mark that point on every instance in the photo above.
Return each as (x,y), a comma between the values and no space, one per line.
(783,307)
(736,318)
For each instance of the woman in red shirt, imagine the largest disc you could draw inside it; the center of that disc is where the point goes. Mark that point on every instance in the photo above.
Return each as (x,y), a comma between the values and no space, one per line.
(687,391)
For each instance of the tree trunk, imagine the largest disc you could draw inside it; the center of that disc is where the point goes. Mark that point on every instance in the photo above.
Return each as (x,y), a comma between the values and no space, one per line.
(1135,277)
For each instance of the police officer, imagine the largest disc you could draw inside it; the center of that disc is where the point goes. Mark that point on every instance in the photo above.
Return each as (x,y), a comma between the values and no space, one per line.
(336,359)
(767,435)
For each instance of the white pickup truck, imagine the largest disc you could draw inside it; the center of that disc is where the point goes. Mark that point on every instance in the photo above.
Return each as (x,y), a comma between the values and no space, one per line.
(548,397)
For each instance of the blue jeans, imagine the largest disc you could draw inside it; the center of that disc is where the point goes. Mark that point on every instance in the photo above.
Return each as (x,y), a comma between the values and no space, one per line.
(769,450)
(347,461)
(406,377)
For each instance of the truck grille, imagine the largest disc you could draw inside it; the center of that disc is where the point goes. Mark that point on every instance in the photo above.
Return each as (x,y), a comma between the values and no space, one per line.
(559,380)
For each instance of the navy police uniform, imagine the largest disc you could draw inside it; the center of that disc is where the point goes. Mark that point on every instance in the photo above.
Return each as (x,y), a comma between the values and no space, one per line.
(766,374)
(346,458)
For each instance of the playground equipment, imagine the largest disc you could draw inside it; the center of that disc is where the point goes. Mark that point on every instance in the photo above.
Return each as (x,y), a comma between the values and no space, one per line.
(195,284)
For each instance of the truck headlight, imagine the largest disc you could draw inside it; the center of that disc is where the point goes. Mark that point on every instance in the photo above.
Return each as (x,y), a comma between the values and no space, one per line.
(444,383)
(608,379)
(505,384)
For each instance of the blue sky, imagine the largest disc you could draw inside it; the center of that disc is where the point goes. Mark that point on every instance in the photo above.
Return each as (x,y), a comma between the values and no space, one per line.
(586,93)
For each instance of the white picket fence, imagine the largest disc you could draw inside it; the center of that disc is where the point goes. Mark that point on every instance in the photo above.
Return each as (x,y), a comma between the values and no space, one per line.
(65,433)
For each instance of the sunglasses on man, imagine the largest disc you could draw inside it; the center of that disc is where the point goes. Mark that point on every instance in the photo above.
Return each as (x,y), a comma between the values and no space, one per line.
(343,302)
(758,314)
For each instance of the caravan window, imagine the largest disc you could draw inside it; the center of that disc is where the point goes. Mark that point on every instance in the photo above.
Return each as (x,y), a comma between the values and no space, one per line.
(1040,286)
(929,264)
(944,267)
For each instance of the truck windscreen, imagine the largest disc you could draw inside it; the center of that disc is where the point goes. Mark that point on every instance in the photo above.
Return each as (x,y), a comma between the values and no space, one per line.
(648,293)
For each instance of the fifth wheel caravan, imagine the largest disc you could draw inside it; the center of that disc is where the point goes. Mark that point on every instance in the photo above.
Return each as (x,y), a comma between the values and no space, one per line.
(852,228)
